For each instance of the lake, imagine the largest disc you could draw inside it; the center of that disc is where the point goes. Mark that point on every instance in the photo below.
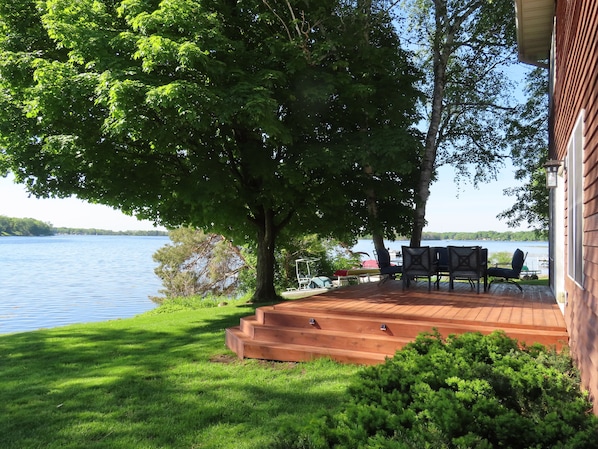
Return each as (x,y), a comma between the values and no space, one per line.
(53,281)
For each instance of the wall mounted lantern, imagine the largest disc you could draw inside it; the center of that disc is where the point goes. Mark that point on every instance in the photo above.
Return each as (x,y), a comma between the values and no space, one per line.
(552,167)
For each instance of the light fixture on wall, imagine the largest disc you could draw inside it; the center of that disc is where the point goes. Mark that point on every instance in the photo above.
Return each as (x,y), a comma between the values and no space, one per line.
(552,167)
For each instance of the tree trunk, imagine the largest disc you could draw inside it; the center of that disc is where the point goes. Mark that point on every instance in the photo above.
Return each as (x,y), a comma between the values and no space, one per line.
(378,242)
(372,206)
(443,43)
(428,166)
(266,239)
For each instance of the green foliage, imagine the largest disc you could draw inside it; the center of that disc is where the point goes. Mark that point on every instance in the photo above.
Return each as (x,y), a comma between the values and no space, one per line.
(95,231)
(196,263)
(500,258)
(24,227)
(509,236)
(528,132)
(470,391)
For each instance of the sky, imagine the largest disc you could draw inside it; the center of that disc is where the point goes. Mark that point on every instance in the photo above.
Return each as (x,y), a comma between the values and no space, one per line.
(467,209)
(69,212)
(449,208)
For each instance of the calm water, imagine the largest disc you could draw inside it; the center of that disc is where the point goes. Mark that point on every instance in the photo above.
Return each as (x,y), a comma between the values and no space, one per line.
(52,281)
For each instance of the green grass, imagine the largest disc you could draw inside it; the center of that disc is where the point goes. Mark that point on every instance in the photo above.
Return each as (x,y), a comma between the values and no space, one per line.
(164,379)
(541,281)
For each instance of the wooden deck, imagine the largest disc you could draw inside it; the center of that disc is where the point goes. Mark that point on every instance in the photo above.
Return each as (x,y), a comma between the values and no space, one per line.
(366,323)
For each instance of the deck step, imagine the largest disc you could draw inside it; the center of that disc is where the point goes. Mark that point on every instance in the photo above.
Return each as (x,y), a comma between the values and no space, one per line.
(300,318)
(253,339)
(394,327)
(382,343)
(288,352)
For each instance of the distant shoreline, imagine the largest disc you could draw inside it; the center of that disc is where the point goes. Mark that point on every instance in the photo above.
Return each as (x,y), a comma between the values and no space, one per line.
(92,231)
(30,227)
(36,228)
(507,236)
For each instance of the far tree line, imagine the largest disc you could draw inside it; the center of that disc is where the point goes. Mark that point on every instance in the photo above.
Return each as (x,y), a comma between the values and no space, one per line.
(30,227)
(509,236)
(24,227)
(11,226)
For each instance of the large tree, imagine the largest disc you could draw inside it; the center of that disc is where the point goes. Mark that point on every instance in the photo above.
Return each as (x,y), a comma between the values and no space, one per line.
(246,118)
(464,47)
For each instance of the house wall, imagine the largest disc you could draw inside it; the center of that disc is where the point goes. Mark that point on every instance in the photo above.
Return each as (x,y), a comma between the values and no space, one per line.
(576,89)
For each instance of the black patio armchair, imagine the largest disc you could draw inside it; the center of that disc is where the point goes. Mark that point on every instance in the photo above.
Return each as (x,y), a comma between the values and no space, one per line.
(467,263)
(418,262)
(509,274)
(442,263)
(387,269)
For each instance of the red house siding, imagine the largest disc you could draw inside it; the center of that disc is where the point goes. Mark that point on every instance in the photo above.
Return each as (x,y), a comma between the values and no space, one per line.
(576,89)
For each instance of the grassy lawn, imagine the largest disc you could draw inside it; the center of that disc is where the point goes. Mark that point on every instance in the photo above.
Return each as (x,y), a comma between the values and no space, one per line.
(159,380)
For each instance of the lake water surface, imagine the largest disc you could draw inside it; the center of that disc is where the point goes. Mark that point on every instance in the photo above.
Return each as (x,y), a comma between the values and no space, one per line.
(52,281)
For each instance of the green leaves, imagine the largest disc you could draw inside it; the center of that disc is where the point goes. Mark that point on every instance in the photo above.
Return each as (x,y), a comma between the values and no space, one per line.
(469,391)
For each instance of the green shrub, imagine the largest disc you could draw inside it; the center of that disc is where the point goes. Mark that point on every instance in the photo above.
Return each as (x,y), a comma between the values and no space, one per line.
(500,258)
(195,302)
(470,391)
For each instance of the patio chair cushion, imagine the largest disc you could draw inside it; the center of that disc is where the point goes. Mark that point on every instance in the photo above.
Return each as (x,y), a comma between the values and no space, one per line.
(384,263)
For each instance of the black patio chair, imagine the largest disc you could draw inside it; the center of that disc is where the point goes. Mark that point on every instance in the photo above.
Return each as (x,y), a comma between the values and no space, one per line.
(509,274)
(442,268)
(387,270)
(466,263)
(418,262)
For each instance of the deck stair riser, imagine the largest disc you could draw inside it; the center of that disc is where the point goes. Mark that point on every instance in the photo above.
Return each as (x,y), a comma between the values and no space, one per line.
(362,326)
(382,344)
(362,322)
(286,352)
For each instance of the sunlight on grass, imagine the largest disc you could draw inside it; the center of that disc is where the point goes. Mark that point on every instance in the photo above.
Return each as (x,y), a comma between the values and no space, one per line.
(163,379)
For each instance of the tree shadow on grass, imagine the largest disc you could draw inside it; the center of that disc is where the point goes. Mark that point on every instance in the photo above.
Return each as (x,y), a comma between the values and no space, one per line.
(131,384)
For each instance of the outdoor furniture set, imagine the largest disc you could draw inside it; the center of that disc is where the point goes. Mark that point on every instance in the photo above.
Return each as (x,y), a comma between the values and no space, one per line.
(458,263)
(469,263)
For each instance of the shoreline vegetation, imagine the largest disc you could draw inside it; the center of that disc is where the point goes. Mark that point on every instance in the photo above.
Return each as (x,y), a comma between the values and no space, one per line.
(507,236)
(30,227)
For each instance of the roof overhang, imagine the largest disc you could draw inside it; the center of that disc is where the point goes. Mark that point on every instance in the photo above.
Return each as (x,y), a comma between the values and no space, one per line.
(535,20)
